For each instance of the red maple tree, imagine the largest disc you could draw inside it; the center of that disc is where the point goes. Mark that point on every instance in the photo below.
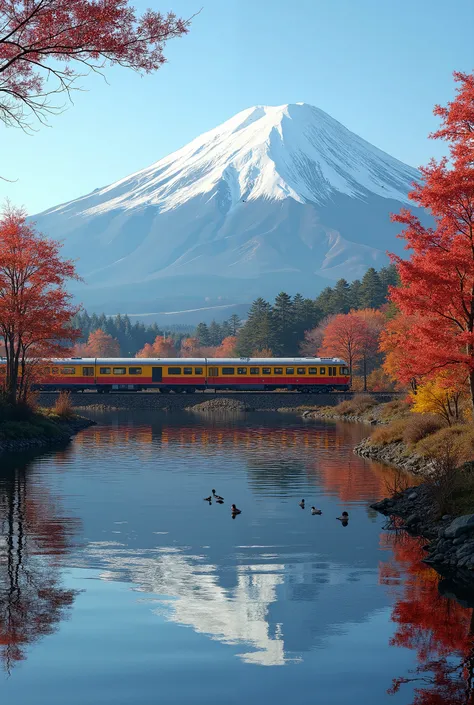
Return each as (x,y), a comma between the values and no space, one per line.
(35,308)
(344,337)
(41,40)
(227,347)
(437,282)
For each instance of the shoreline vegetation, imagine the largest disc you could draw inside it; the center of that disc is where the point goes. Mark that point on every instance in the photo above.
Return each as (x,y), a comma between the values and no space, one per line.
(432,495)
(27,426)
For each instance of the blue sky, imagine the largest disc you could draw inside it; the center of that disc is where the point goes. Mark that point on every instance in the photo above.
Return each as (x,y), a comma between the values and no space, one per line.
(378,66)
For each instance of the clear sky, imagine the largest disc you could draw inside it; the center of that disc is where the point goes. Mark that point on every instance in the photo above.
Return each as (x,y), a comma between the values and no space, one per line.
(377,66)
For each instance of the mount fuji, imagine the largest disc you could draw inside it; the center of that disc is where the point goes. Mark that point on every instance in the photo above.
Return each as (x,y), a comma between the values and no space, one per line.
(276,198)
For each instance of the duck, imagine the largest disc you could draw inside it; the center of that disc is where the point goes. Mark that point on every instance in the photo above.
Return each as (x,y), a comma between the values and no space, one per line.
(208,499)
(235,510)
(315,511)
(344,517)
(216,496)
(219,501)
(302,504)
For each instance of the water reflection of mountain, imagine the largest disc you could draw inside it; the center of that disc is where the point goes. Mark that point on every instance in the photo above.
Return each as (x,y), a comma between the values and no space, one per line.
(34,536)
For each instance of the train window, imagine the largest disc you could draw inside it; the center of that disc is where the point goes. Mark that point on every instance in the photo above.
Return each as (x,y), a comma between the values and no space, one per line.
(301,370)
(55,370)
(87,371)
(332,371)
(255,370)
(241,370)
(68,370)
(322,370)
(104,370)
(290,370)
(228,370)
(134,370)
(174,370)
(266,370)
(278,370)
(198,371)
(213,372)
(343,370)
(188,370)
(313,370)
(120,370)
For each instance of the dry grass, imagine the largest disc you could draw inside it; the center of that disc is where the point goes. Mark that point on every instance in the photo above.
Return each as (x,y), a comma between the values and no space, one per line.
(419,426)
(63,406)
(459,438)
(394,409)
(355,406)
(392,433)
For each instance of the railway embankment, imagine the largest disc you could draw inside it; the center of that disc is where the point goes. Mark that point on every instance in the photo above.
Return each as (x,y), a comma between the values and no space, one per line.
(154,401)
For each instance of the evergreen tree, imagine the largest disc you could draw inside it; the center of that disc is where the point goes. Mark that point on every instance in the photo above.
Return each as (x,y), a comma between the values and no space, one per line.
(202,334)
(325,301)
(283,325)
(307,315)
(371,293)
(355,289)
(215,333)
(235,323)
(340,300)
(257,333)
(226,330)
(388,277)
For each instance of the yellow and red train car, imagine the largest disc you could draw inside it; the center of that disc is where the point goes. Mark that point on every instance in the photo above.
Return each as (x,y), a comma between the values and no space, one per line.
(188,375)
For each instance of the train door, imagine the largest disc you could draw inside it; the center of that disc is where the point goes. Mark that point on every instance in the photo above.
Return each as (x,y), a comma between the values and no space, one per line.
(212,376)
(156,375)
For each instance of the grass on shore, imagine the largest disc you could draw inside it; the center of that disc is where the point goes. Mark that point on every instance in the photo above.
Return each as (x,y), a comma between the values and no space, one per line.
(27,421)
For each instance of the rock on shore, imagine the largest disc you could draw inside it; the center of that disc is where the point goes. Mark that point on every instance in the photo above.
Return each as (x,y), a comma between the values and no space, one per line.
(396,453)
(220,405)
(451,547)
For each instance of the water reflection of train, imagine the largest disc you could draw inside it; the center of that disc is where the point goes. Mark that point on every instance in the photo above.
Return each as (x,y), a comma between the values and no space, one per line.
(187,375)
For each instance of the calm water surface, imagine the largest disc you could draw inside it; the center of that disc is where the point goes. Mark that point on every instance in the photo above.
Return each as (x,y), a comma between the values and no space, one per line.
(119,584)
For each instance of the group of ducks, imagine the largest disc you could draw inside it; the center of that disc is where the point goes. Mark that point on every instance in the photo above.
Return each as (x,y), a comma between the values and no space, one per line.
(344,518)
(220,500)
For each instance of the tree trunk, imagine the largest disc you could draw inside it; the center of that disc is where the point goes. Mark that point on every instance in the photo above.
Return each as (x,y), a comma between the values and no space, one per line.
(471,388)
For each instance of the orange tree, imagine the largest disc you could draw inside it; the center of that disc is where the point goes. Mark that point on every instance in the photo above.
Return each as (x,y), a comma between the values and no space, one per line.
(35,308)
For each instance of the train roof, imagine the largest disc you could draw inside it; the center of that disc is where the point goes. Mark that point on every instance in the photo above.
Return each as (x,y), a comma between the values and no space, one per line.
(200,361)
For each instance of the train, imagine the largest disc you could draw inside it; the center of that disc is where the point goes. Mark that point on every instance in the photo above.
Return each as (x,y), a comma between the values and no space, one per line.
(188,375)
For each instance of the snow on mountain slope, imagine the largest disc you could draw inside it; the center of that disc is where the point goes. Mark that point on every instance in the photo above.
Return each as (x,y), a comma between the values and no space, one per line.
(275,197)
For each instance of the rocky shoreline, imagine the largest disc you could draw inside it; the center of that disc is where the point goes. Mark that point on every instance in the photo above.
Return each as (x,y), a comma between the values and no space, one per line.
(397,454)
(450,550)
(66,430)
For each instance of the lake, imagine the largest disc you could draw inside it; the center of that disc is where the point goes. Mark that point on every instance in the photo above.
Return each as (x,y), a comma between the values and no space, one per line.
(120,585)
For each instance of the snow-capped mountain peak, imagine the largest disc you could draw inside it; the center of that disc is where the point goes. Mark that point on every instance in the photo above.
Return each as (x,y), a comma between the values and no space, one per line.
(274,152)
(276,197)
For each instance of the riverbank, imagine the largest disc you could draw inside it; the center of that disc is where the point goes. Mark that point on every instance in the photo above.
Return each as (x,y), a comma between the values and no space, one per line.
(292,402)
(361,408)
(39,431)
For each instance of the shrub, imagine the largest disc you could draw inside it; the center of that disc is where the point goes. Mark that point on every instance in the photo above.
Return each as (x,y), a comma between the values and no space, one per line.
(458,439)
(357,405)
(420,426)
(63,406)
(393,432)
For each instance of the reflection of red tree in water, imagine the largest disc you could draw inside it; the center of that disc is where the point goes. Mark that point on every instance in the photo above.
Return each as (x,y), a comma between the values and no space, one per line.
(440,630)
(32,601)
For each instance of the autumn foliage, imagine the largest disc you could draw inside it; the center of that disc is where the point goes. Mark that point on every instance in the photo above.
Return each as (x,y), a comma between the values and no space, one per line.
(437,283)
(99,344)
(161,347)
(35,308)
(45,45)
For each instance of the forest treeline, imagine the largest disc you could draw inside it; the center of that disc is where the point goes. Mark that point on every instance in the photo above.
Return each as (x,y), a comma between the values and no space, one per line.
(271,329)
